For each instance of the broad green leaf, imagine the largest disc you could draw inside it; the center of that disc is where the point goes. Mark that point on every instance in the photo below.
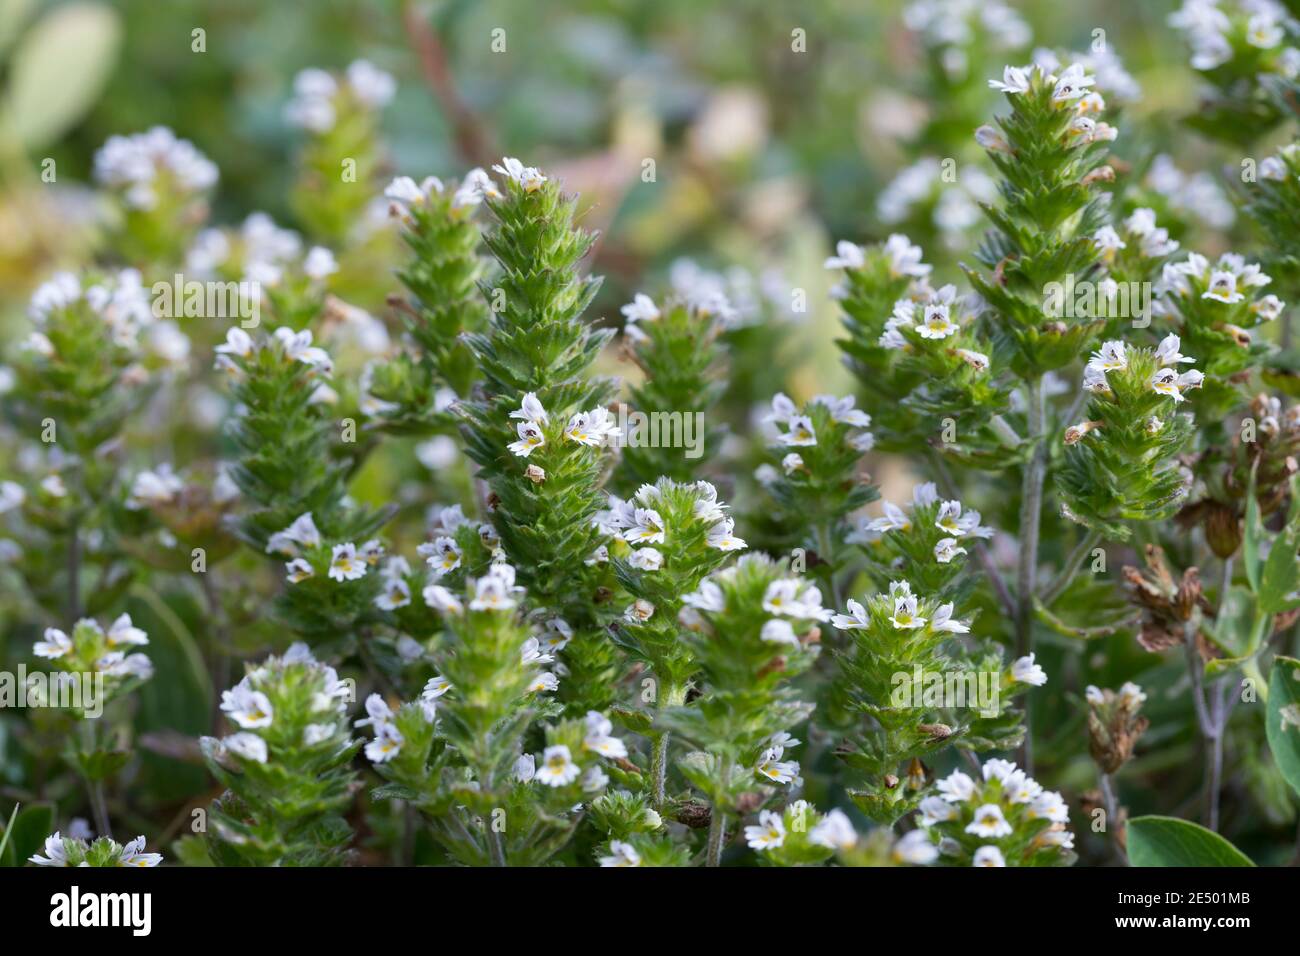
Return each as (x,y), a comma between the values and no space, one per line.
(59,70)
(1283,722)
(1281,573)
(1168,841)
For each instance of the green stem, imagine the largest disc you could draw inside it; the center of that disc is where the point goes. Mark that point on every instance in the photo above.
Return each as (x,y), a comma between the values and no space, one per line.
(718,821)
(659,770)
(1071,567)
(1031,502)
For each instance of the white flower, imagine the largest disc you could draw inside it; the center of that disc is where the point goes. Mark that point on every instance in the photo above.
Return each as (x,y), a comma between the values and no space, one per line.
(396,593)
(1072,84)
(247,707)
(387,743)
(377,712)
(642,308)
(904,258)
(646,559)
(298,348)
(1223,287)
(781,596)
(936,320)
(915,847)
(777,631)
(1050,805)
(945,549)
(1107,240)
(530,439)
(989,822)
(12,496)
(1164,381)
(951,519)
(847,256)
(905,615)
(773,768)
(531,410)
(1014,80)
(1167,351)
(598,737)
(558,768)
(854,620)
(1025,671)
(55,852)
(720,536)
(53,486)
(647,527)
(435,687)
(707,597)
(55,645)
(791,462)
(246,745)
(621,854)
(443,555)
(943,621)
(800,432)
(1110,357)
(976,360)
(894,519)
(834,831)
(529,178)
(525,768)
(957,787)
(768,834)
(842,410)
(936,810)
(594,428)
(991,138)
(157,487)
(369,84)
(1131,695)
(298,570)
(345,564)
(988,856)
(543,682)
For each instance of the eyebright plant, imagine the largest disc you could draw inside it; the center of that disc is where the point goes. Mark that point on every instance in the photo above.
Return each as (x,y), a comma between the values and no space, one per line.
(508,588)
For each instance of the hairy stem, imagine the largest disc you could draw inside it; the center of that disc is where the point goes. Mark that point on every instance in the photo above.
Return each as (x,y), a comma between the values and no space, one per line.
(659,770)
(718,821)
(74,572)
(1111,803)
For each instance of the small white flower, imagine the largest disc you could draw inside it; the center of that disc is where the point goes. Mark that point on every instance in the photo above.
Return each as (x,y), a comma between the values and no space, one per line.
(936,810)
(957,787)
(642,308)
(525,768)
(1072,84)
(246,745)
(529,178)
(916,848)
(905,616)
(1025,671)
(720,536)
(302,532)
(346,564)
(777,631)
(247,707)
(646,559)
(621,854)
(1050,805)
(558,768)
(1014,80)
(396,593)
(989,822)
(847,256)
(904,258)
(1223,287)
(55,645)
(988,856)
(598,737)
(56,853)
(387,743)
(768,834)
(772,767)
(530,439)
(531,410)
(319,263)
(1110,357)
(945,549)
(854,620)
(834,831)
(800,432)
(298,570)
(943,621)
(594,428)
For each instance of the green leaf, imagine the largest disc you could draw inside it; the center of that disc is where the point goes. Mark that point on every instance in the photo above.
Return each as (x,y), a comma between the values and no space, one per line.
(1168,841)
(1281,573)
(59,71)
(1283,722)
(26,833)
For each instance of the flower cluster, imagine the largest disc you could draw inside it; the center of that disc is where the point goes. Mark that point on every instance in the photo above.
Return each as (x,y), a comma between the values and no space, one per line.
(92,650)
(285,766)
(1121,463)
(919,692)
(1004,819)
(66,851)
(927,542)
